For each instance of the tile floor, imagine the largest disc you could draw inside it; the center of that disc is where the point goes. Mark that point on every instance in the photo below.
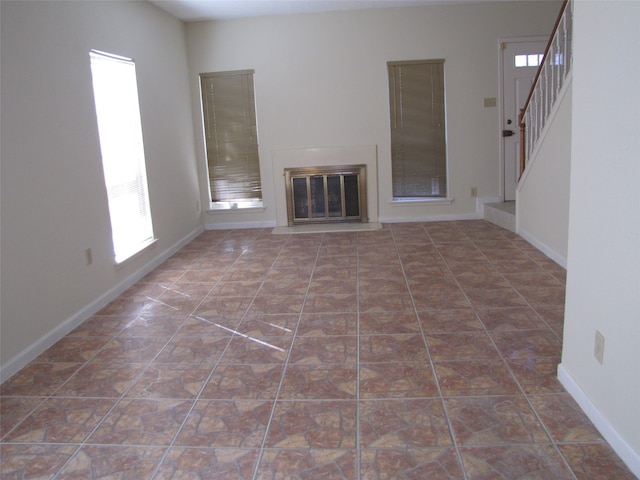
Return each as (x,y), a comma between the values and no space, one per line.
(419,351)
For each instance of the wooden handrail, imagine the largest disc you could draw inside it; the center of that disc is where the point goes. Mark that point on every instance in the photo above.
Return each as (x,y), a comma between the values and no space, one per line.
(521,122)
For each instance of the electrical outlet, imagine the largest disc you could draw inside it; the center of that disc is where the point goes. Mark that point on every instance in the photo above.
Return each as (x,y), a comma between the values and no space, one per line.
(474,192)
(598,349)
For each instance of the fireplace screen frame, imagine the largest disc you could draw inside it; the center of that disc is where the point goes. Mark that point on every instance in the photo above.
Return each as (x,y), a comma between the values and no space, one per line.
(307,173)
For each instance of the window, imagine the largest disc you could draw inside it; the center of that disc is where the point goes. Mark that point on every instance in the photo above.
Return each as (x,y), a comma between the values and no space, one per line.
(231,139)
(418,136)
(116,97)
(531,60)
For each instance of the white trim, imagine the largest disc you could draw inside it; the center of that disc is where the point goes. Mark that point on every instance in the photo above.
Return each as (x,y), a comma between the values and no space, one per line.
(36,348)
(630,457)
(549,252)
(417,202)
(239,225)
(432,218)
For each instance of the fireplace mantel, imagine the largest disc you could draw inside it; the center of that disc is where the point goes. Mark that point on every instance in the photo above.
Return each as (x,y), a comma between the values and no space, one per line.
(325,157)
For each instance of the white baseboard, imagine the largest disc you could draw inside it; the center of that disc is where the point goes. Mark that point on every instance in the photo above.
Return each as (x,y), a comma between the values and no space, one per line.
(32,351)
(630,457)
(549,252)
(239,225)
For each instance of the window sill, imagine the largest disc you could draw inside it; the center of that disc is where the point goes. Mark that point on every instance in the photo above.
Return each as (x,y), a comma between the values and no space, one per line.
(410,202)
(240,207)
(144,247)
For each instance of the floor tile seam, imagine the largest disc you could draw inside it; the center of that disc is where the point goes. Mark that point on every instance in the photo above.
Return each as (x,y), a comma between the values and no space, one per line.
(447,415)
(285,363)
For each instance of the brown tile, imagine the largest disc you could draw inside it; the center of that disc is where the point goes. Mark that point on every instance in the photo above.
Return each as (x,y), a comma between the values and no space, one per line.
(564,419)
(38,379)
(330,303)
(538,296)
(226,423)
(493,420)
(510,462)
(101,326)
(61,420)
(14,409)
(171,380)
(256,350)
(515,318)
(461,346)
(97,461)
(389,323)
(209,276)
(268,325)
(386,303)
(595,461)
(100,379)
(390,286)
(392,348)
(73,350)
(142,422)
(553,316)
(321,324)
(313,424)
(131,350)
(270,304)
(330,349)
(214,308)
(537,374)
(319,382)
(450,321)
(403,423)
(418,463)
(528,344)
(198,326)
(146,325)
(475,377)
(243,288)
(193,350)
(532,279)
(333,287)
(239,382)
(495,297)
(185,296)
(290,463)
(188,463)
(34,461)
(285,286)
(397,380)
(441,299)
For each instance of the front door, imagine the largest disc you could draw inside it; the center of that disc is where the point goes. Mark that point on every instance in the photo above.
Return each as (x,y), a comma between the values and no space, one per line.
(520,60)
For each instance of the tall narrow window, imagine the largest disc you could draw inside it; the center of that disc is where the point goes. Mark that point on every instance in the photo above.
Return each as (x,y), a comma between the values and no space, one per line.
(418,136)
(229,112)
(116,97)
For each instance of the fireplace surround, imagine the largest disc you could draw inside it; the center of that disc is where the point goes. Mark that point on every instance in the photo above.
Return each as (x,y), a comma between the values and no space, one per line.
(329,194)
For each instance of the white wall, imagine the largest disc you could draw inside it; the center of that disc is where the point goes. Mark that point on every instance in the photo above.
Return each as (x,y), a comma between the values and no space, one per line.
(53,195)
(542,197)
(603,282)
(321,81)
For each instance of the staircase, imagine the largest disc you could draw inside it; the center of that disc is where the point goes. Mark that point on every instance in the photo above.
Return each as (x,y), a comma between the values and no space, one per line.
(502,214)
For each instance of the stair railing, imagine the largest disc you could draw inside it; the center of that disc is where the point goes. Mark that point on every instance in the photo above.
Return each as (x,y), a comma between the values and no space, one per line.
(552,73)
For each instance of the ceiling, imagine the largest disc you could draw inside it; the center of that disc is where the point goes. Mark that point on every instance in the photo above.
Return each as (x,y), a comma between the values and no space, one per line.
(194,10)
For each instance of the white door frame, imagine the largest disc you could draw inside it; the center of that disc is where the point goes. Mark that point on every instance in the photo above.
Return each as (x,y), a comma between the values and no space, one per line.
(502,120)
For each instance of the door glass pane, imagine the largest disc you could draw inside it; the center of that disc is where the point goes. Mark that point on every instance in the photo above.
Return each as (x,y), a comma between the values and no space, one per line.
(300,198)
(317,196)
(352,204)
(335,195)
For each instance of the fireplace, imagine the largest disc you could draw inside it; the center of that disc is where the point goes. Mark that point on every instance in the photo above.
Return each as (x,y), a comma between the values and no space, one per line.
(328,194)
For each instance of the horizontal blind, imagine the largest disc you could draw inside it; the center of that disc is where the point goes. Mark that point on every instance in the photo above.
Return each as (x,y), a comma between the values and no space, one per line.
(418,139)
(228,106)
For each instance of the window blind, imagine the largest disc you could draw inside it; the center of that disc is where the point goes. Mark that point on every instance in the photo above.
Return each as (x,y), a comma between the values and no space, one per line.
(418,137)
(228,106)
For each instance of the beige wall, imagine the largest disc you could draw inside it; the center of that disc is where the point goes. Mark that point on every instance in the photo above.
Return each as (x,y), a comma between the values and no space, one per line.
(542,197)
(321,81)
(53,195)
(603,282)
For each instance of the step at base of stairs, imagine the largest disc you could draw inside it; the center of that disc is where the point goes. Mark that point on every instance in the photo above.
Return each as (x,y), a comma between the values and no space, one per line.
(502,214)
